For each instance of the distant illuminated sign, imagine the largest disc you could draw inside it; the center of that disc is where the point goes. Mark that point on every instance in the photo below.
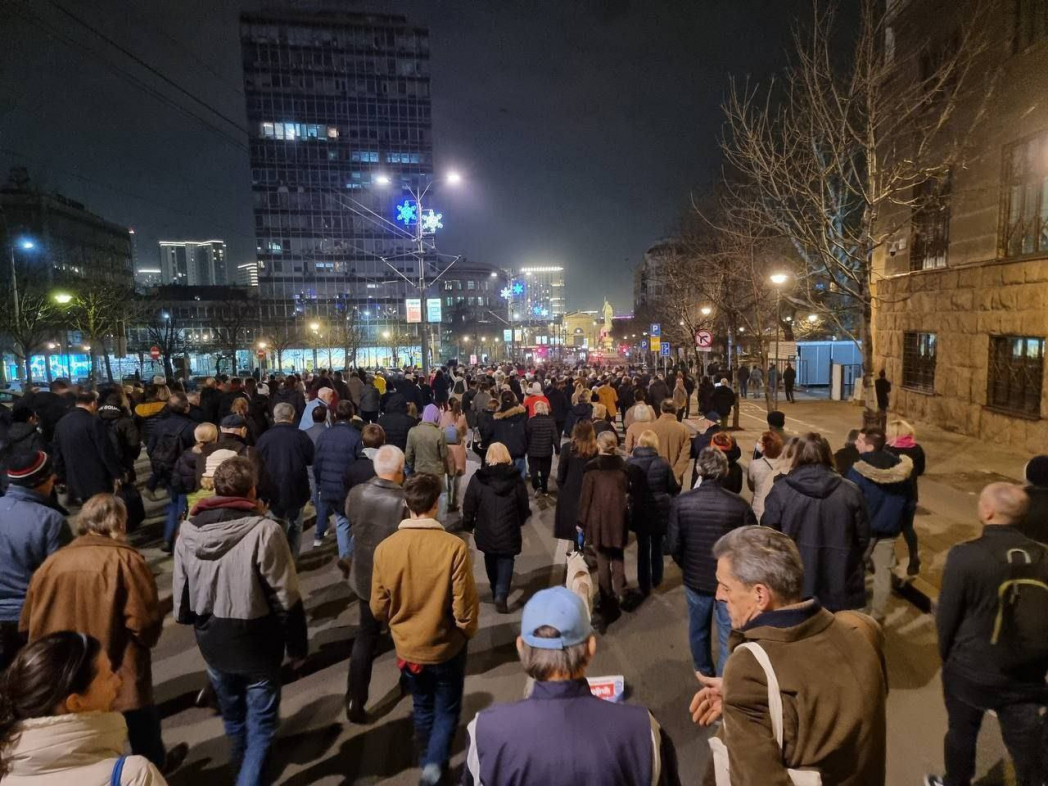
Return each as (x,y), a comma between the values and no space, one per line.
(413,306)
(433,309)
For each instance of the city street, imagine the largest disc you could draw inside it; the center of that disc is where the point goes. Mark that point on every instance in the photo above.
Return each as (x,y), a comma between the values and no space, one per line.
(649,647)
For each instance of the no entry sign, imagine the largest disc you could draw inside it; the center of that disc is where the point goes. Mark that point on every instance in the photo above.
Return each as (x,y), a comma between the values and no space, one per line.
(154,352)
(704,339)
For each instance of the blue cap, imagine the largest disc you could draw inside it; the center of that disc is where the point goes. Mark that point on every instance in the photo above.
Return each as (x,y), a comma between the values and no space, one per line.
(560,608)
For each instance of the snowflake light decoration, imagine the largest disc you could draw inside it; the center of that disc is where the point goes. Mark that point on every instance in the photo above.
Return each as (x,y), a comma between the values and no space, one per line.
(407,213)
(507,293)
(518,288)
(431,221)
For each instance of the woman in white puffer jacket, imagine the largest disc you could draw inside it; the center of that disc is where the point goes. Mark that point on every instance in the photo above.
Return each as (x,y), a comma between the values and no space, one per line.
(56,723)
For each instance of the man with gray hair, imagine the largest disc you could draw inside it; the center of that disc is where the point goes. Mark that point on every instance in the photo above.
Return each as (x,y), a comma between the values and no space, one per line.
(374,509)
(993,640)
(287,454)
(827,668)
(697,519)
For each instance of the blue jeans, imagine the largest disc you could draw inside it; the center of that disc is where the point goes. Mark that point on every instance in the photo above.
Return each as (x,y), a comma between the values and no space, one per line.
(326,508)
(701,610)
(500,574)
(175,508)
(649,562)
(437,696)
(522,467)
(250,707)
(292,519)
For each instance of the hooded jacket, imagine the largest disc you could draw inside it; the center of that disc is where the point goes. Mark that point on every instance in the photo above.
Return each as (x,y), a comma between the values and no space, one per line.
(511,430)
(603,506)
(652,489)
(396,422)
(825,515)
(427,449)
(80,748)
(576,414)
(885,482)
(123,433)
(31,529)
(147,416)
(235,582)
(495,509)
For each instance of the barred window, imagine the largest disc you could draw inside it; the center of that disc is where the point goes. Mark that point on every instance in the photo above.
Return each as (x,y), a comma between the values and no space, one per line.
(930,225)
(1024,212)
(1015,374)
(918,361)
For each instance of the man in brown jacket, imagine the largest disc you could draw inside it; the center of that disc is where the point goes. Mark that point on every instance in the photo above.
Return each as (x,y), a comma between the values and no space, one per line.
(674,439)
(422,584)
(830,671)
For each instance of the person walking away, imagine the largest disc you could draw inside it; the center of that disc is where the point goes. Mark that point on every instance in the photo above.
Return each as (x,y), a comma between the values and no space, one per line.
(825,515)
(1035,523)
(395,421)
(993,640)
(428,451)
(32,528)
(363,469)
(697,519)
(604,520)
(883,389)
(336,450)
(494,510)
(762,472)
(829,668)
(422,585)
(652,489)
(789,377)
(285,393)
(743,379)
(122,432)
(235,582)
(23,436)
(535,396)
(543,442)
(642,418)
(510,428)
(84,458)
(627,397)
(102,586)
(148,415)
(756,381)
(680,398)
(674,440)
(354,388)
(658,390)
(58,726)
(374,509)
(723,400)
(600,420)
(640,403)
(209,396)
(370,401)
(287,454)
(184,476)
(902,441)
(582,410)
(324,398)
(723,442)
(170,438)
(844,458)
(573,460)
(556,646)
(609,397)
(453,422)
(884,480)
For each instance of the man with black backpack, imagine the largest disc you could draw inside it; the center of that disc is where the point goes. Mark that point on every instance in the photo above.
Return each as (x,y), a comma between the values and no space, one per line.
(171,437)
(993,639)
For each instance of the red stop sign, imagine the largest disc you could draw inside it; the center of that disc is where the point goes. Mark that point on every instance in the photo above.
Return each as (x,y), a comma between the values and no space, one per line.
(261,353)
(154,352)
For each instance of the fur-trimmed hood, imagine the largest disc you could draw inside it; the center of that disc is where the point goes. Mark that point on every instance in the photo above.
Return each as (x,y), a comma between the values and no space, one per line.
(511,412)
(883,468)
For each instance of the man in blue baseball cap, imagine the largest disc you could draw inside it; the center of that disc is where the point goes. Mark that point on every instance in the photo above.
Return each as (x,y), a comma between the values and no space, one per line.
(537,740)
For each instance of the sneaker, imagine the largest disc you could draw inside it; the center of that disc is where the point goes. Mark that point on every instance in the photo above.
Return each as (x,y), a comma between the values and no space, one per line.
(933,780)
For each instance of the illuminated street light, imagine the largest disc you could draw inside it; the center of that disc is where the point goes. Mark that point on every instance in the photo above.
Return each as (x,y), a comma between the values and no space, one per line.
(813,317)
(63,298)
(778,279)
(261,344)
(314,326)
(706,311)
(454,178)
(382,180)
(385,334)
(26,244)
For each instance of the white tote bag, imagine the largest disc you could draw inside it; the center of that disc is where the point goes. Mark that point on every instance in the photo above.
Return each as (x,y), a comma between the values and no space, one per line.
(720,750)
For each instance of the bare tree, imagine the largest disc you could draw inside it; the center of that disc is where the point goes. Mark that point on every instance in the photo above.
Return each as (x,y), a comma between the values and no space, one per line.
(29,328)
(98,311)
(348,334)
(232,323)
(165,331)
(837,152)
(281,340)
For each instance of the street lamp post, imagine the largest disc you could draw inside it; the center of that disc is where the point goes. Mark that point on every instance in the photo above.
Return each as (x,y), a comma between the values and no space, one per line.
(778,279)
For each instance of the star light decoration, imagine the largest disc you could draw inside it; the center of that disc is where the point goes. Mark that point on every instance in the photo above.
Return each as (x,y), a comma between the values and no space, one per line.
(431,221)
(407,213)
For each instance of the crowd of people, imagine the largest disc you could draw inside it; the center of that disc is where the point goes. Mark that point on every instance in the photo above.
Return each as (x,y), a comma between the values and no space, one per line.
(780,576)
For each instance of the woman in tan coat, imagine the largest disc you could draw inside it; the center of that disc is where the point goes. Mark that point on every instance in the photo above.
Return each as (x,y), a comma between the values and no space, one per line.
(102,586)
(57,726)
(453,417)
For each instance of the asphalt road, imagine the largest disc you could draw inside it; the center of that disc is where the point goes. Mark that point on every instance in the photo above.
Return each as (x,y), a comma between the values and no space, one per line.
(649,647)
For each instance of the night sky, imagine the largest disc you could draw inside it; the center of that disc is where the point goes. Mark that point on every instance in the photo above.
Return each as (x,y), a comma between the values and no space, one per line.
(581,126)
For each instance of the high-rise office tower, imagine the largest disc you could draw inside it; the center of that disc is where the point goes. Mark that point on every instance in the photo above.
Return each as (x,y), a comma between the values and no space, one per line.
(193,262)
(543,292)
(338,107)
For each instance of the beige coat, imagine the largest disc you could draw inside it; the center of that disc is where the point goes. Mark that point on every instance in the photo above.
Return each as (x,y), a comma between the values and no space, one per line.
(456,453)
(674,443)
(75,750)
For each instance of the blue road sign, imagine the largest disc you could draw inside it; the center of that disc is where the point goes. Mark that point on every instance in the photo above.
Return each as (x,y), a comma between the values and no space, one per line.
(644,344)
(665,349)
(656,329)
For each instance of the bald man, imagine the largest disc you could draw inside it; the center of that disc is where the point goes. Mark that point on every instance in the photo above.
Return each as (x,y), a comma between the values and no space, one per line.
(974,678)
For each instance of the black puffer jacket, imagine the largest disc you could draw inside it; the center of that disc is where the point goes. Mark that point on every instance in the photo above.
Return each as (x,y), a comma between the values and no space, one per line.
(697,520)
(495,508)
(397,422)
(577,413)
(558,403)
(284,396)
(825,515)
(510,430)
(652,489)
(543,439)
(123,434)
(258,416)
(916,454)
(184,476)
(21,438)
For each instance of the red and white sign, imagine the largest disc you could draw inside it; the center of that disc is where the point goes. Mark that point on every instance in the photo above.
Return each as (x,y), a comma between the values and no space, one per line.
(261,354)
(473,360)
(608,688)
(704,340)
(154,352)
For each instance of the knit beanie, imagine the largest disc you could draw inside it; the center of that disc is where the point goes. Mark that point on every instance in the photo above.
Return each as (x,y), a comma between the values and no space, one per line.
(1037,471)
(215,459)
(29,469)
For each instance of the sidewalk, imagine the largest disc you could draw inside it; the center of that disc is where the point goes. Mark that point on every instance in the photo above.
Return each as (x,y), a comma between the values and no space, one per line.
(958,467)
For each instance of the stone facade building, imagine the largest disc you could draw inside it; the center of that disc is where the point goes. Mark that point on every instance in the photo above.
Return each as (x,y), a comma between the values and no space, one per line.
(961,315)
